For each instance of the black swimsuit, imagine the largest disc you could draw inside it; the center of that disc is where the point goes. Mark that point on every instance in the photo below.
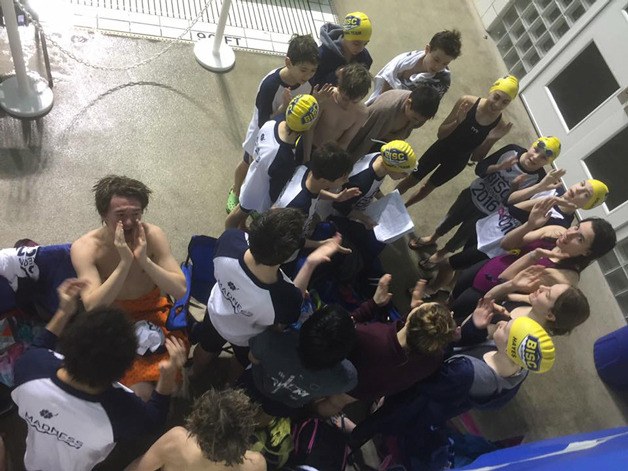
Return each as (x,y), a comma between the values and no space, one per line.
(452,153)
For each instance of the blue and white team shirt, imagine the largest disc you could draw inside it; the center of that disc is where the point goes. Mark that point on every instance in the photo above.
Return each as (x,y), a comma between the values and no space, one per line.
(362,176)
(69,429)
(267,102)
(296,195)
(491,190)
(240,306)
(274,162)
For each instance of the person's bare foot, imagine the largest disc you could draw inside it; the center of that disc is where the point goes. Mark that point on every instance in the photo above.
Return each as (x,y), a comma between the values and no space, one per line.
(436,258)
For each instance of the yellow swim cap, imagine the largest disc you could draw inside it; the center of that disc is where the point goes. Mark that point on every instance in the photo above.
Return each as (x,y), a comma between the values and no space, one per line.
(529,346)
(398,156)
(551,146)
(357,27)
(301,113)
(507,84)
(600,192)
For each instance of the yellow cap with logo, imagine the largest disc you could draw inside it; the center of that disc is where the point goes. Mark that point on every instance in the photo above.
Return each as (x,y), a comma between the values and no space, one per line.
(398,156)
(600,192)
(507,84)
(549,144)
(529,346)
(357,27)
(301,112)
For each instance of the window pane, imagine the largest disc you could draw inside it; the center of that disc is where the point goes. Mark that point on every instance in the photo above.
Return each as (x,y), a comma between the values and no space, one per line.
(608,262)
(582,86)
(617,281)
(609,164)
(622,300)
(622,248)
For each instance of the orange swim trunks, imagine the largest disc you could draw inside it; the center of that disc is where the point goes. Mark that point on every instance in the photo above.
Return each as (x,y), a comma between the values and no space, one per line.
(152,307)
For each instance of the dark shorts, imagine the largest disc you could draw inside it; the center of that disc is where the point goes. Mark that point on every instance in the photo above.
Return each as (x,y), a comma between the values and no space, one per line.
(247,158)
(205,334)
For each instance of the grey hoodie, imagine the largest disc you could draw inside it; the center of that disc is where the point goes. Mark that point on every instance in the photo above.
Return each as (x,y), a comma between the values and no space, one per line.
(330,55)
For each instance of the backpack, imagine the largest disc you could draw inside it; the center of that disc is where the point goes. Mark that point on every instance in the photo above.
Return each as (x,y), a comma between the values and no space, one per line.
(319,445)
(274,442)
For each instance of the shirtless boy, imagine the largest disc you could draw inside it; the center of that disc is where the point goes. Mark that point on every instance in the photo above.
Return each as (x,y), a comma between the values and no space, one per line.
(128,263)
(343,114)
(215,438)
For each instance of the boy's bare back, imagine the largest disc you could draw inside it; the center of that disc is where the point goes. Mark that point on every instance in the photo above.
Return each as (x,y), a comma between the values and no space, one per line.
(177,451)
(339,124)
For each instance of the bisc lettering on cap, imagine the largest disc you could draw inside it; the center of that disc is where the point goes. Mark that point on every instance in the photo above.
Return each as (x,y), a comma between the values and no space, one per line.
(310,115)
(352,21)
(532,355)
(397,155)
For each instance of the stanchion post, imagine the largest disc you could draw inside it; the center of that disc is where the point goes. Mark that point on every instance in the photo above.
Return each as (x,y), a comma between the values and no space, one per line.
(25,95)
(214,53)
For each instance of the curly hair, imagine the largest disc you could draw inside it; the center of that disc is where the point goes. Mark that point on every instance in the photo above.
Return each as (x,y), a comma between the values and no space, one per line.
(99,346)
(222,423)
(430,327)
(116,185)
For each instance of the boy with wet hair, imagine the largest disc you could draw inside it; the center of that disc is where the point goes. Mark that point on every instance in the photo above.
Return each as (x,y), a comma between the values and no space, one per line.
(274,93)
(393,116)
(216,437)
(75,409)
(114,185)
(342,114)
(343,45)
(274,159)
(128,263)
(251,292)
(427,67)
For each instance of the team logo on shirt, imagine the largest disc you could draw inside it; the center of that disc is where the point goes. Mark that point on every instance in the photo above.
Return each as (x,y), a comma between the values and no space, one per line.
(48,429)
(227,292)
(46,414)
